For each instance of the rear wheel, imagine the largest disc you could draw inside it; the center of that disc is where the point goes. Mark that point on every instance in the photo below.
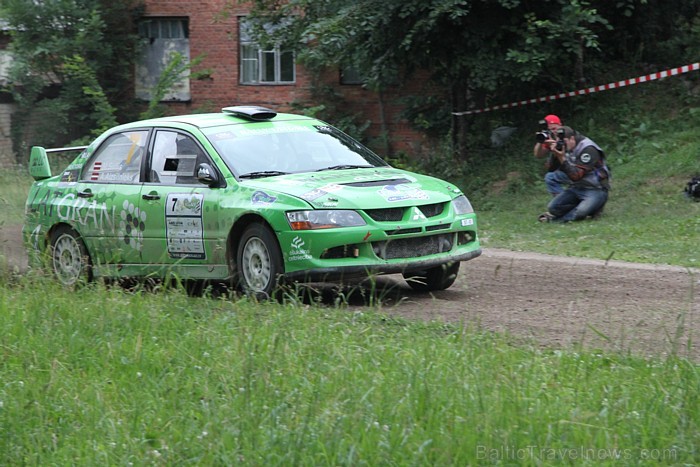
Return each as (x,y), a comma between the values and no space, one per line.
(259,261)
(437,278)
(70,259)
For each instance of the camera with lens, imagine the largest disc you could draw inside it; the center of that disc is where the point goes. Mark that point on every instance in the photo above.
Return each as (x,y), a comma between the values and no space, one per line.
(545,133)
(542,136)
(560,139)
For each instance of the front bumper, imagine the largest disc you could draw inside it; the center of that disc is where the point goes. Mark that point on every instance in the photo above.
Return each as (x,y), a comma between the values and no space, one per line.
(341,272)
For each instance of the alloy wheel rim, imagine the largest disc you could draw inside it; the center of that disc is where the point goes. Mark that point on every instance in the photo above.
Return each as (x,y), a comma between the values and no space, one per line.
(257,266)
(67,259)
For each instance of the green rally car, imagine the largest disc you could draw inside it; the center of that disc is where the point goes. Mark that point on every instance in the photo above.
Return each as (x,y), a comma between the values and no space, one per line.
(247,196)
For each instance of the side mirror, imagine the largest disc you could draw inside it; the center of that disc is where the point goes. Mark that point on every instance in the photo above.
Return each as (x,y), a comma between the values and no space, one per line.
(207,175)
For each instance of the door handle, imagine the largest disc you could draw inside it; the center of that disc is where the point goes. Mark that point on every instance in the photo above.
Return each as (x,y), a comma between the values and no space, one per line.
(151,196)
(85,194)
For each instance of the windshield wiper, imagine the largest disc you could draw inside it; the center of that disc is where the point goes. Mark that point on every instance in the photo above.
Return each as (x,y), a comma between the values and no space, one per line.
(263,173)
(345,166)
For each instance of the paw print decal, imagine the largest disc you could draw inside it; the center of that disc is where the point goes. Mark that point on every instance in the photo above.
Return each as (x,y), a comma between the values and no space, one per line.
(132,223)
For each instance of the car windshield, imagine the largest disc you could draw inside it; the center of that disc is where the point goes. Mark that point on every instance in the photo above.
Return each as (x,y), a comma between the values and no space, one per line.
(268,149)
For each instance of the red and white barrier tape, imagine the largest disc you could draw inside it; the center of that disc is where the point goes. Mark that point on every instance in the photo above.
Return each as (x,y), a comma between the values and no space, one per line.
(602,87)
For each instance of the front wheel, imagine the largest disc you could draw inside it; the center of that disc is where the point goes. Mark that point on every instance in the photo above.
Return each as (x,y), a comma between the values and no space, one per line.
(437,278)
(70,259)
(259,261)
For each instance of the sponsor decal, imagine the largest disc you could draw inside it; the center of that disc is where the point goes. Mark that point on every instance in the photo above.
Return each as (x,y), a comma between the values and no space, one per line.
(313,194)
(81,211)
(35,237)
(132,223)
(393,193)
(117,177)
(297,251)
(466,222)
(36,163)
(260,198)
(318,192)
(70,175)
(76,166)
(183,225)
(332,187)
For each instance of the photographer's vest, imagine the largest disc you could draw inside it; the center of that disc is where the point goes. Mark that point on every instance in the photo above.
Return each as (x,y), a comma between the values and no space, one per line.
(599,177)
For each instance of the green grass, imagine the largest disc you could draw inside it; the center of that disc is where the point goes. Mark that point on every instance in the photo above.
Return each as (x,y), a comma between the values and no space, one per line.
(653,154)
(102,376)
(659,226)
(105,377)
(14,186)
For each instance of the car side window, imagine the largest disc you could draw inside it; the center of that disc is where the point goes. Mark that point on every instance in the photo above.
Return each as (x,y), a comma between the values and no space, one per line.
(176,157)
(118,159)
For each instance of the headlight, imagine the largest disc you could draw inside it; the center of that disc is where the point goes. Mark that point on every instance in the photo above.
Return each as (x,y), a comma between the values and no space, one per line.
(324,219)
(462,205)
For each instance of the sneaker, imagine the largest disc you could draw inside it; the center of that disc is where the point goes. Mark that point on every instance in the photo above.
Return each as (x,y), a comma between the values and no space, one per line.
(595,215)
(545,217)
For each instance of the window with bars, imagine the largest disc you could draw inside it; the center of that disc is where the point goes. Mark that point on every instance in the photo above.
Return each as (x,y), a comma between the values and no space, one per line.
(263,66)
(350,75)
(162,38)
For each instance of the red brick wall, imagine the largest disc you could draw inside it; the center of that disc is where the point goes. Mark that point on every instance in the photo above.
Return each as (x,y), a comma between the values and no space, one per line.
(213,33)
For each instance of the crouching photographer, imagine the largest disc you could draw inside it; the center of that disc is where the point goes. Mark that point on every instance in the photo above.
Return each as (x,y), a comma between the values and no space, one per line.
(555,180)
(583,161)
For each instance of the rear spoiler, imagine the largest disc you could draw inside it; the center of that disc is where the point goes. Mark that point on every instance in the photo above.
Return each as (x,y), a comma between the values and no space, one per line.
(39,167)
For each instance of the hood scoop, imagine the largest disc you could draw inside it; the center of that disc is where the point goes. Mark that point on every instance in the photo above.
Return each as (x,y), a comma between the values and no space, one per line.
(364,184)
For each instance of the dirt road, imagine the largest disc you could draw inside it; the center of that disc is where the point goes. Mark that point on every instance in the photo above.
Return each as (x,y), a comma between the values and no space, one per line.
(553,301)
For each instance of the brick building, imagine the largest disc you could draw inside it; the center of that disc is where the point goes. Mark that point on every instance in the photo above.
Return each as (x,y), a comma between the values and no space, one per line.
(241,73)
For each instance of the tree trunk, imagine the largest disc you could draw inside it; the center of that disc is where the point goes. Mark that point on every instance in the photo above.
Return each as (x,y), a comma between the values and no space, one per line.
(460,125)
(578,66)
(386,137)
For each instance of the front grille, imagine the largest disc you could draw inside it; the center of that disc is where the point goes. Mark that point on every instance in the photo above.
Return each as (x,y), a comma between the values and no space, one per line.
(413,247)
(386,215)
(432,210)
(437,227)
(403,231)
(396,214)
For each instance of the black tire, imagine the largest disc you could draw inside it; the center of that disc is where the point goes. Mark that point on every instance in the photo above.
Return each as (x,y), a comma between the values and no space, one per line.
(437,278)
(259,262)
(70,260)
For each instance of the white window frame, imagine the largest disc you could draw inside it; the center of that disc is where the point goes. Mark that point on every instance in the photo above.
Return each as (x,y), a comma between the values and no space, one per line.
(252,69)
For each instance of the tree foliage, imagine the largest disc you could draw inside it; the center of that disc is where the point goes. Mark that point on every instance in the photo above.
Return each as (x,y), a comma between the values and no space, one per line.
(478,51)
(177,66)
(74,58)
(73,62)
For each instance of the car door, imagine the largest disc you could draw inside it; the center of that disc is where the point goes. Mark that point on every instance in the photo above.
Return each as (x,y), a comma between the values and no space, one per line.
(104,205)
(181,224)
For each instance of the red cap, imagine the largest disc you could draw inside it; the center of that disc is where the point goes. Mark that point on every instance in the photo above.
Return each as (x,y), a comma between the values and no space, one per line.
(552,119)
